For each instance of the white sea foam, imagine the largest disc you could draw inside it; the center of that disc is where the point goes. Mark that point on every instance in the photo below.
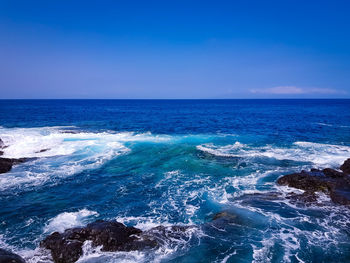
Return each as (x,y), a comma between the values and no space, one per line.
(69,219)
(62,153)
(141,222)
(317,153)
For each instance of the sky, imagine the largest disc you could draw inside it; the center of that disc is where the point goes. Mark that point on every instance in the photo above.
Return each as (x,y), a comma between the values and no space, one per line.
(174,49)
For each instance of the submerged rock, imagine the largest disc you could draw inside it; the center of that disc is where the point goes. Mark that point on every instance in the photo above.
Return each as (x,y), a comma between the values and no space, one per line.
(9,257)
(66,247)
(333,183)
(7,163)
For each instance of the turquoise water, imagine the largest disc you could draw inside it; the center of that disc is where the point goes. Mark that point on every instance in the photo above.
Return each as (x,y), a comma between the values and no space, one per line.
(175,162)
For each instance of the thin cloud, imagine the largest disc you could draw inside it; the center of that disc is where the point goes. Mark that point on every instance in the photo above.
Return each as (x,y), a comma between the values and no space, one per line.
(293,90)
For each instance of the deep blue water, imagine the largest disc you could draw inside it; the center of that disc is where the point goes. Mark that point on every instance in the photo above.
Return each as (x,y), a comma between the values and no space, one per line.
(152,162)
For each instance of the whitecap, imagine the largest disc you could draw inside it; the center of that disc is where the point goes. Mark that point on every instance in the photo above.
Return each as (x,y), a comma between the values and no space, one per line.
(67,220)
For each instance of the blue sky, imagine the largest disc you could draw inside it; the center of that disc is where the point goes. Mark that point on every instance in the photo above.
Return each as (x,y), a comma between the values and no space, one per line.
(174,49)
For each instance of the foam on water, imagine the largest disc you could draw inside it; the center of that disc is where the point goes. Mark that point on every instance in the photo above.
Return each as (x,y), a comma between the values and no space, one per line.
(317,153)
(59,152)
(182,195)
(69,219)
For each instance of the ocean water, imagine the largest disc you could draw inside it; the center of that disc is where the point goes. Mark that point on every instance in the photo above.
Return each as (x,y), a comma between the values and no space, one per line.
(174,162)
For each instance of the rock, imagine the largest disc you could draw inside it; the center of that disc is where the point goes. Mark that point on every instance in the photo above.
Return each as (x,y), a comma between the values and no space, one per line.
(225,216)
(308,181)
(162,235)
(1,153)
(63,250)
(307,197)
(42,150)
(333,183)
(7,163)
(66,247)
(345,167)
(2,144)
(332,173)
(9,257)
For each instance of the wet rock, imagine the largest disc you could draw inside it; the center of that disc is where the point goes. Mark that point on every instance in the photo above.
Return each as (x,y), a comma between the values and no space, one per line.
(333,183)
(332,173)
(225,215)
(42,150)
(63,249)
(2,144)
(306,197)
(9,257)
(345,167)
(161,235)
(7,163)
(66,247)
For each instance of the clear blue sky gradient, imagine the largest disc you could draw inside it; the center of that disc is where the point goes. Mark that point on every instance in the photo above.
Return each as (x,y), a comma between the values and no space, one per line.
(174,49)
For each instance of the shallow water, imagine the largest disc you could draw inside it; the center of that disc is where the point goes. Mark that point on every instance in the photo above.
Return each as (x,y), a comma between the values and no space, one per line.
(153,162)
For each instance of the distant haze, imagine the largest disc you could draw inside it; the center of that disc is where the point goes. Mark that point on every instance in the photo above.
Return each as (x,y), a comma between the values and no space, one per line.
(174,49)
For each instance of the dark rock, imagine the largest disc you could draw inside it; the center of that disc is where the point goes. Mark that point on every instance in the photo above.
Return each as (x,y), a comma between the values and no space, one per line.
(7,163)
(112,236)
(70,132)
(2,144)
(308,181)
(66,247)
(306,197)
(42,150)
(1,153)
(9,257)
(165,235)
(333,183)
(225,216)
(345,167)
(332,173)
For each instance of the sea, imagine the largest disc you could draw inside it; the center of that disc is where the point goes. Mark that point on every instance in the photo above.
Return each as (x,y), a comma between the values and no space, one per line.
(147,163)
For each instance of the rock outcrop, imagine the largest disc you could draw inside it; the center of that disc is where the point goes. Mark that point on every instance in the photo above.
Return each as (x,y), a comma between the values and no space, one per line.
(345,167)
(66,247)
(7,163)
(331,182)
(9,257)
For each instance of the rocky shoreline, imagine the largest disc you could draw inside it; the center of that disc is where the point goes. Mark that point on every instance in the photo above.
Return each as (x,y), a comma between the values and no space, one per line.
(335,184)
(9,257)
(67,247)
(7,163)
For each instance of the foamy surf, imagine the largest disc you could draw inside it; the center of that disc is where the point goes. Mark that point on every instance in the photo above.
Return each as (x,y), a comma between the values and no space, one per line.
(58,152)
(319,154)
(69,220)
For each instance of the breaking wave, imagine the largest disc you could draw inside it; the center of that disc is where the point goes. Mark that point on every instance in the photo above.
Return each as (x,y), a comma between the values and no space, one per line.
(316,153)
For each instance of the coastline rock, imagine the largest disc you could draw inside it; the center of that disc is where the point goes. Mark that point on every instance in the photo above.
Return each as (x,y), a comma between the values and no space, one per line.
(7,163)
(66,247)
(345,167)
(42,150)
(9,257)
(333,183)
(2,144)
(112,236)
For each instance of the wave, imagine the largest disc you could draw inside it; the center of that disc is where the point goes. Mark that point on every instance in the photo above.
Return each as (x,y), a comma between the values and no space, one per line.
(69,219)
(332,125)
(58,152)
(316,153)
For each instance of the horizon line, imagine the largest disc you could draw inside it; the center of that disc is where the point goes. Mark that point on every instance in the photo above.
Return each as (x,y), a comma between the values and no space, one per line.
(175,98)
